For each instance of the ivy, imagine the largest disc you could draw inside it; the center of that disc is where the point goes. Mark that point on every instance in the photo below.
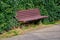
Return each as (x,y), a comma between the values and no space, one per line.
(8,9)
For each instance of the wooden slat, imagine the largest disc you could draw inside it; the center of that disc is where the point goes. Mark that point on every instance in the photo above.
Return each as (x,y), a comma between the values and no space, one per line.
(27,15)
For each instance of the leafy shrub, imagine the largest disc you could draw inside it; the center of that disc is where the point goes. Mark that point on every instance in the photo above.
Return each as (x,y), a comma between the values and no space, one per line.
(8,9)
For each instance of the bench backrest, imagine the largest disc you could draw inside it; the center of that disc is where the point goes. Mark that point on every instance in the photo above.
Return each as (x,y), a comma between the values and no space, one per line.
(28,13)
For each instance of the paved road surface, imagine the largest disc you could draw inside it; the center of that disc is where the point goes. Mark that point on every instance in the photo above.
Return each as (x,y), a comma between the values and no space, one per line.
(52,33)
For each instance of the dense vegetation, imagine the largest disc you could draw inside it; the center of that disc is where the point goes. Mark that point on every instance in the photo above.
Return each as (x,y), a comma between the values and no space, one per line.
(8,9)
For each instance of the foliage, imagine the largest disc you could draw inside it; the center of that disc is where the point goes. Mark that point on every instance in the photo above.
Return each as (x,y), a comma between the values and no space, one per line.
(8,9)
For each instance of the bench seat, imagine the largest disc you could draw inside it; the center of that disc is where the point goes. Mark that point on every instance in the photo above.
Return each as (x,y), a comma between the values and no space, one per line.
(33,18)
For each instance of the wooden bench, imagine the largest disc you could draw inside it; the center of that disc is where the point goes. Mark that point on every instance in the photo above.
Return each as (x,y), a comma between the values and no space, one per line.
(29,15)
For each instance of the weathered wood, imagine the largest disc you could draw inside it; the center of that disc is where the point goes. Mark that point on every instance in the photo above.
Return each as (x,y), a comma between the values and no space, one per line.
(29,15)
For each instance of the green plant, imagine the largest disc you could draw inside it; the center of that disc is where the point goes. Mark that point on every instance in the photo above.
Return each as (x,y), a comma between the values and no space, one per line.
(8,9)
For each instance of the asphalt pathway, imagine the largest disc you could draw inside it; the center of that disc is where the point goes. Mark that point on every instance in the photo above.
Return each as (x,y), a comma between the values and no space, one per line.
(51,33)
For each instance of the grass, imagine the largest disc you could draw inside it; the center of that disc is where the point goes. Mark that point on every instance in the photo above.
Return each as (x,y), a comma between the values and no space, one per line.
(57,22)
(25,29)
(19,31)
